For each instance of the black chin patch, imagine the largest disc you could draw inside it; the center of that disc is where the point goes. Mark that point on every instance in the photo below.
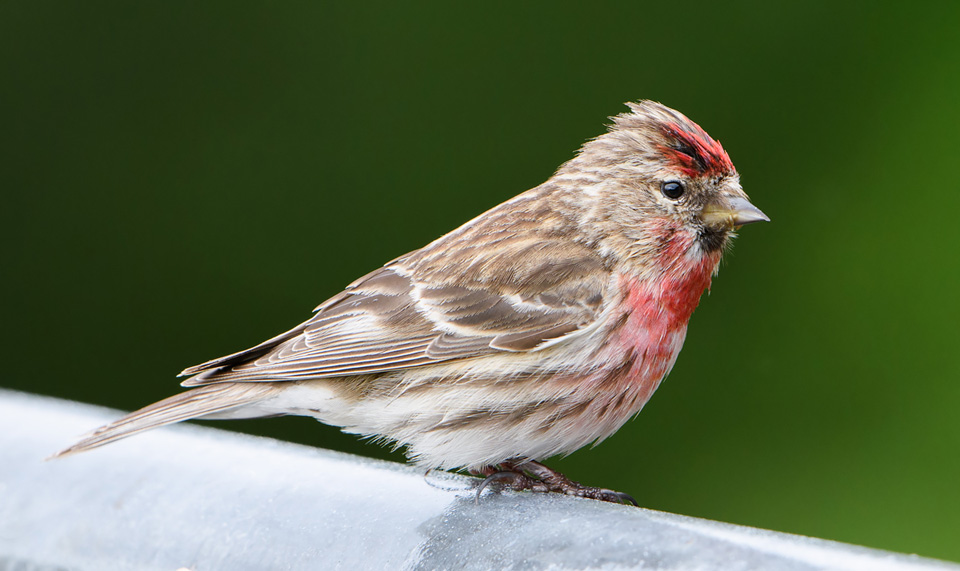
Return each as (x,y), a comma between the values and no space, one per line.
(712,239)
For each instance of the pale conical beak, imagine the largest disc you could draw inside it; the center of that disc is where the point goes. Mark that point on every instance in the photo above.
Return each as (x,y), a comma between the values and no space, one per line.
(736,211)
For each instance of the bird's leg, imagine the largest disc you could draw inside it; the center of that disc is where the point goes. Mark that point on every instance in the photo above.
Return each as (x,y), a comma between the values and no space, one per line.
(519,475)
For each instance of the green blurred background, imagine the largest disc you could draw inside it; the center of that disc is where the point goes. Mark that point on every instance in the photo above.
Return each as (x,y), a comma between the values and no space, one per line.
(183,180)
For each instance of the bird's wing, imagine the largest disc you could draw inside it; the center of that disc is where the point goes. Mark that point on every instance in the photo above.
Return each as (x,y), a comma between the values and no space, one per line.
(404,315)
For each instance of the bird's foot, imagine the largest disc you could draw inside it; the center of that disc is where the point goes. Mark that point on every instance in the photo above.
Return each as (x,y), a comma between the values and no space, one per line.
(529,475)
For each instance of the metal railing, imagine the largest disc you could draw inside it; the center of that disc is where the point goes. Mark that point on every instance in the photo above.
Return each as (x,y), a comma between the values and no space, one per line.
(196,498)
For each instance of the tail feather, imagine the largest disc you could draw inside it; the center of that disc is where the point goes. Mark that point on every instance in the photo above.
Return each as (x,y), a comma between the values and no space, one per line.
(195,403)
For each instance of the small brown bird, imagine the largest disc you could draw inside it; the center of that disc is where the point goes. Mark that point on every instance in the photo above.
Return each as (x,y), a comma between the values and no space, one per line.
(536,328)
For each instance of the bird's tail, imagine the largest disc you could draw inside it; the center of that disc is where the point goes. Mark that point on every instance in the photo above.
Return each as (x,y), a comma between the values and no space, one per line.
(214,399)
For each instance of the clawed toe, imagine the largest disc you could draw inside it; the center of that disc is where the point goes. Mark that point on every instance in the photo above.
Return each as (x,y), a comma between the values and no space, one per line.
(604,495)
(612,496)
(495,477)
(626,499)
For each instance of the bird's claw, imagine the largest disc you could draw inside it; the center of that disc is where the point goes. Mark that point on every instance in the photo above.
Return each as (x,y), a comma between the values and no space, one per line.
(536,477)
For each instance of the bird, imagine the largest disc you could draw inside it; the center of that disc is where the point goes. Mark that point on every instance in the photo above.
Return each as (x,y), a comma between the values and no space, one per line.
(536,328)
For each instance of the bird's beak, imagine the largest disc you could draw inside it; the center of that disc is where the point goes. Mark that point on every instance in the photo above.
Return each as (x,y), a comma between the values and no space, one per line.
(735,211)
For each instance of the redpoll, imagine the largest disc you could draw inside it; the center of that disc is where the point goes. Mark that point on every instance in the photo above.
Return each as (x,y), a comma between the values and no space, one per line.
(535,329)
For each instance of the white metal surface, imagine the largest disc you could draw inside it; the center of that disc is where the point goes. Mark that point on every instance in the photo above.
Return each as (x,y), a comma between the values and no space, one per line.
(203,499)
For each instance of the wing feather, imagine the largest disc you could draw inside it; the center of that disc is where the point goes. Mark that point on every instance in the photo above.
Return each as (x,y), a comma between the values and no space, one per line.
(408,314)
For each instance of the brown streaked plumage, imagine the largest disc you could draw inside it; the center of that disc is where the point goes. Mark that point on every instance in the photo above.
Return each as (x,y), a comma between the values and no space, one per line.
(538,327)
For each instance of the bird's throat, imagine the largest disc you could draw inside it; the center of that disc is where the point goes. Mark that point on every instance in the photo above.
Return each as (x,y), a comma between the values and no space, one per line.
(655,310)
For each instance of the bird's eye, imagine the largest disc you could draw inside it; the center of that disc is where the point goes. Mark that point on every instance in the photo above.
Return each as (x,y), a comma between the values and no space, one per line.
(672,189)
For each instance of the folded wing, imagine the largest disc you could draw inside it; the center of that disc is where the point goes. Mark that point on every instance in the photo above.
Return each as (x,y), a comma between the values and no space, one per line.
(402,316)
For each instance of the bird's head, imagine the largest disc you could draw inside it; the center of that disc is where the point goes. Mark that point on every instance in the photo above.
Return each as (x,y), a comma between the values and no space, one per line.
(657,184)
